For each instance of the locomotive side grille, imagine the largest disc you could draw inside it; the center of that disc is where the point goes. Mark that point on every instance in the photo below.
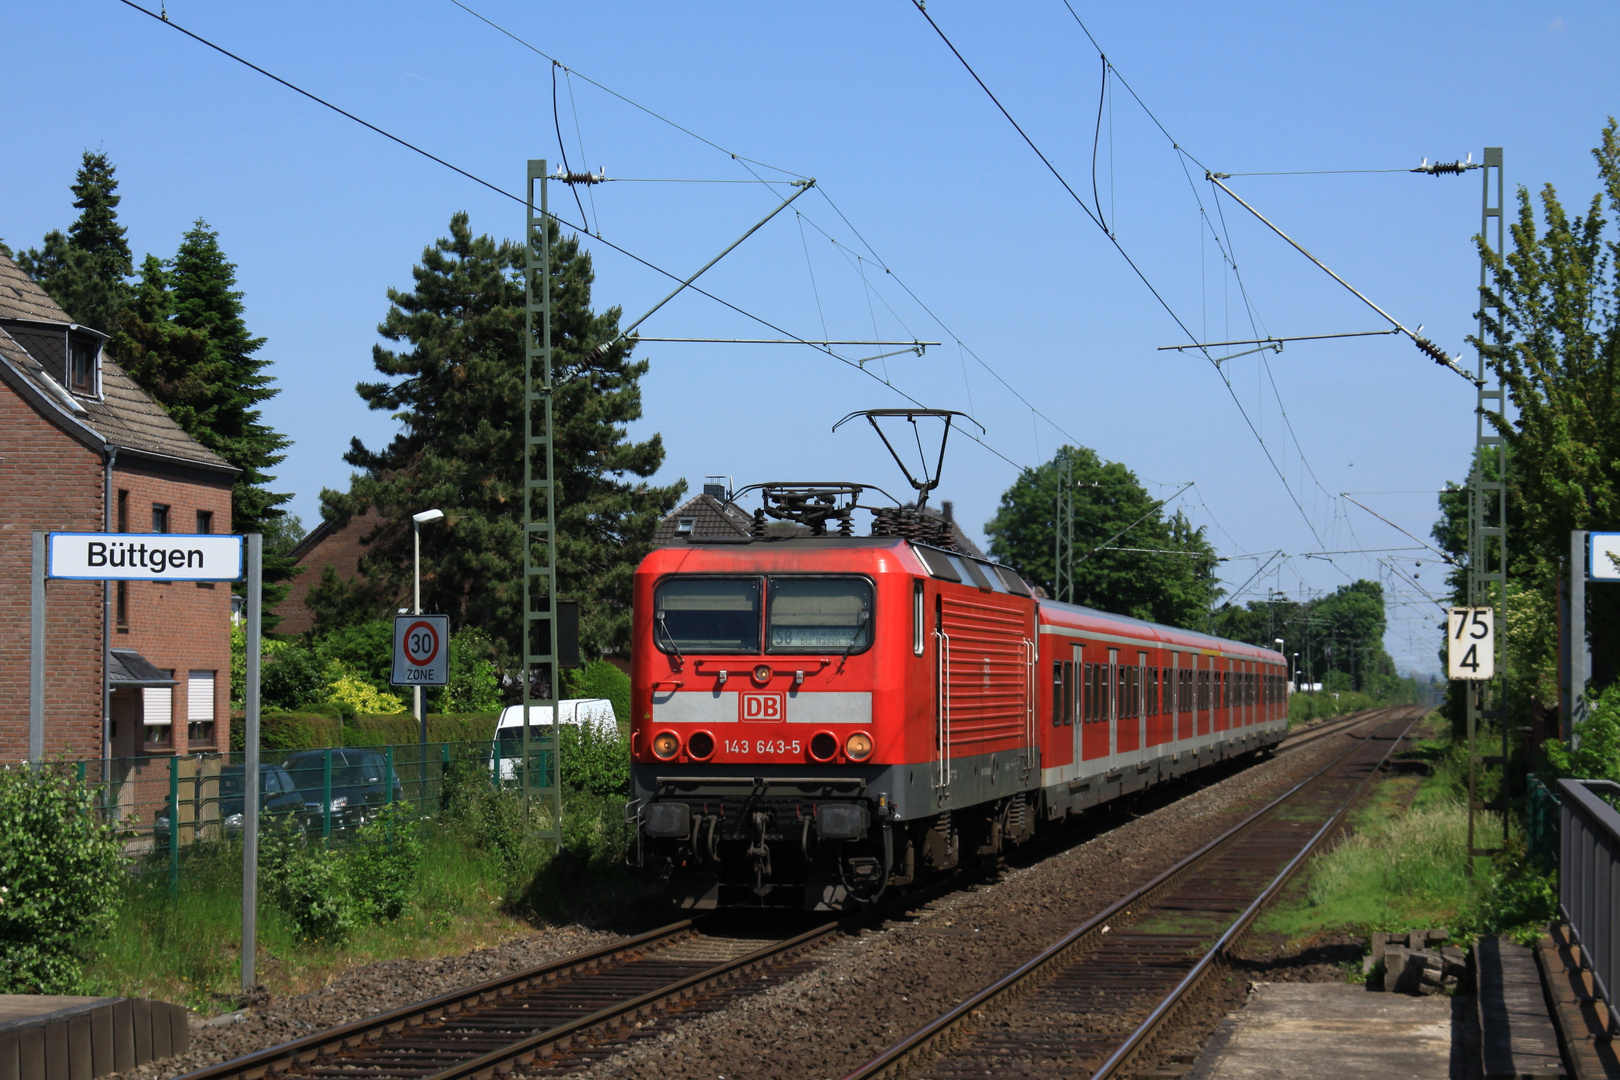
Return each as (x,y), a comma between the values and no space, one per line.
(988,677)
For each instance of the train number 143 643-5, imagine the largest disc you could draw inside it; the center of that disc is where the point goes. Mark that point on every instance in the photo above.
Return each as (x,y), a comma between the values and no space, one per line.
(763,746)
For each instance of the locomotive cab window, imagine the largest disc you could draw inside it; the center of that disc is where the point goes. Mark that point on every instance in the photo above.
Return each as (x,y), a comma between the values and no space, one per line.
(816,614)
(707,615)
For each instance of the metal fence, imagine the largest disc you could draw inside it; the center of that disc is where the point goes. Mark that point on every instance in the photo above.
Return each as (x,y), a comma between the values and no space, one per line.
(167,804)
(1541,818)
(1589,876)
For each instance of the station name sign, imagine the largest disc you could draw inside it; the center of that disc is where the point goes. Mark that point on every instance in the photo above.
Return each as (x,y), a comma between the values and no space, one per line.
(145,557)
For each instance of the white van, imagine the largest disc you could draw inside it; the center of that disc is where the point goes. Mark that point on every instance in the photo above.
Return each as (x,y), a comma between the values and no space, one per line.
(593,713)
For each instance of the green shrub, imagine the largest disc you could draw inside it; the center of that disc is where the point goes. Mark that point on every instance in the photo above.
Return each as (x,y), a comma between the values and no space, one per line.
(594,760)
(381,866)
(1598,756)
(60,868)
(365,648)
(304,880)
(402,728)
(600,679)
(292,679)
(287,731)
(474,686)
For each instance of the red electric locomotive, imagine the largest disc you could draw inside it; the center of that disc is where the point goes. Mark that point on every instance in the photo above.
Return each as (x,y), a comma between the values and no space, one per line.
(819,718)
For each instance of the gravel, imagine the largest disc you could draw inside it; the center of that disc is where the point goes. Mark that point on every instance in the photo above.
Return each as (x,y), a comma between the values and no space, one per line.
(362,992)
(872,988)
(862,992)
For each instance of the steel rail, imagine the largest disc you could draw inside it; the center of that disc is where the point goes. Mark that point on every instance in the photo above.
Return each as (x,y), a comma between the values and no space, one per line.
(1082,937)
(1333,726)
(307,1047)
(1161,1012)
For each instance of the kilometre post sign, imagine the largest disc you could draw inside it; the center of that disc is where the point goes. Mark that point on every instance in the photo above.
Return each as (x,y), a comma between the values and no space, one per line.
(421,650)
(1471,643)
(145,556)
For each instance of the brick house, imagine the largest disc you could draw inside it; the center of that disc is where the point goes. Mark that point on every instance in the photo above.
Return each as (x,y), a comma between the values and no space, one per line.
(132,668)
(336,543)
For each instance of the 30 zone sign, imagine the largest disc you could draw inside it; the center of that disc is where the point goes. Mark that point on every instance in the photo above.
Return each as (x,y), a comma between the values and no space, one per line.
(421,657)
(1471,643)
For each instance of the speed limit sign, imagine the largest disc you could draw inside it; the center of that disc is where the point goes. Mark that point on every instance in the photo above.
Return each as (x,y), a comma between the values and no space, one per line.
(421,650)
(1470,643)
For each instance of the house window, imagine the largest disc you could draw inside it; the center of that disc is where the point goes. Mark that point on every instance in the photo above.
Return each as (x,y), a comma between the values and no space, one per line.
(123,510)
(683,526)
(160,518)
(205,525)
(157,715)
(82,367)
(121,606)
(200,707)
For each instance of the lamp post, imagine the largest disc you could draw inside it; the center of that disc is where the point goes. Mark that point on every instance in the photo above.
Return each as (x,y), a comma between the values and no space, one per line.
(417,521)
(1296,673)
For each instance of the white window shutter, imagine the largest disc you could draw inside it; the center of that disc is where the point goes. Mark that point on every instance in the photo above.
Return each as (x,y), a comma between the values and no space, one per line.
(157,704)
(200,696)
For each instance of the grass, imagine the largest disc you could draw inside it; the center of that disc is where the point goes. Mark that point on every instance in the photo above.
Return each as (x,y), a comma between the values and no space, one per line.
(1404,863)
(483,878)
(186,948)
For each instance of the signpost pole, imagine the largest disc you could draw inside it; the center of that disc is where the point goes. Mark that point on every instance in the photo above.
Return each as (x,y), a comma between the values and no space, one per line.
(1576,656)
(250,764)
(36,652)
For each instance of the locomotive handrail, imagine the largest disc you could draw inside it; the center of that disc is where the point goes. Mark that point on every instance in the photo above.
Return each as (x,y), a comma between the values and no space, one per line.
(764,781)
(944,707)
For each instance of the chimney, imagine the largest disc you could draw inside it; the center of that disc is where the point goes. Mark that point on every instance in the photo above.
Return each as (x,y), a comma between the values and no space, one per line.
(716,487)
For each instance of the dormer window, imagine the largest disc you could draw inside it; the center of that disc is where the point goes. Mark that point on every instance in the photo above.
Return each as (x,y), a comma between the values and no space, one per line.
(82,365)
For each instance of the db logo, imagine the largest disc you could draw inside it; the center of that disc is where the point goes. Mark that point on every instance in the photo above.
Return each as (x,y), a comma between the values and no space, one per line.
(762,706)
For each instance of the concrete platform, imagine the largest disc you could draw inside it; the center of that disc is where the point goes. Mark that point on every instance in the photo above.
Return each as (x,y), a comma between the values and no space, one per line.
(49,1037)
(1335,1031)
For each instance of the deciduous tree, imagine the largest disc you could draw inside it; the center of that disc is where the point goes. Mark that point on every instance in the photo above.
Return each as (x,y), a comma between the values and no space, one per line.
(1167,577)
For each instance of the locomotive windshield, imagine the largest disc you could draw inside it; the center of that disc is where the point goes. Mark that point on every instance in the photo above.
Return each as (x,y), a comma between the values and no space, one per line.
(707,615)
(722,615)
(815,614)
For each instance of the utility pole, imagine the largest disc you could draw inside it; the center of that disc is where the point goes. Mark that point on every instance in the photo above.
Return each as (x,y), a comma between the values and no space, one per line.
(540,491)
(1487,531)
(1063,531)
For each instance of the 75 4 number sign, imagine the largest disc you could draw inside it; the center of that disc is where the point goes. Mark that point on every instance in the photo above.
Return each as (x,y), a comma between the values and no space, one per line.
(1471,643)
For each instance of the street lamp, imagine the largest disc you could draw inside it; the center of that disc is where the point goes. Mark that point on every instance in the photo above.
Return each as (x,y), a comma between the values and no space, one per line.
(1296,673)
(417,521)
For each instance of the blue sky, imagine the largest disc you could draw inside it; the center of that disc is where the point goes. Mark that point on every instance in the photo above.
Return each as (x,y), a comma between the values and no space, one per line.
(947,210)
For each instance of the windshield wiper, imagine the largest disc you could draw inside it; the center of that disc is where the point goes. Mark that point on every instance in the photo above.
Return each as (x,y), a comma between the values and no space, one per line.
(854,639)
(658,621)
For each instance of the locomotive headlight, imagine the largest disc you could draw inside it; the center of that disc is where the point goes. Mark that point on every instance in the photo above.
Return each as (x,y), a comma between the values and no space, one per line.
(858,746)
(666,744)
(762,673)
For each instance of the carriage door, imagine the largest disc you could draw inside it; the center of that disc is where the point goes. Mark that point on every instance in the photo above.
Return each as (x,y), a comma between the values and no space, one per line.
(1141,705)
(1114,703)
(1080,704)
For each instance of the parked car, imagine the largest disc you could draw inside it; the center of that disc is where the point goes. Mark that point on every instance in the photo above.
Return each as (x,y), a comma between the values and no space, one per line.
(360,784)
(279,801)
(592,713)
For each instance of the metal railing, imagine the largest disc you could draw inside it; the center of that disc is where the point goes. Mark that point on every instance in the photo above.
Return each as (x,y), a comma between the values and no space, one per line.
(1541,819)
(1589,876)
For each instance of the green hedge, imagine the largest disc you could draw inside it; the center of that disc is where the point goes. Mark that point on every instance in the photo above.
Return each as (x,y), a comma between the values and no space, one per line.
(402,728)
(280,730)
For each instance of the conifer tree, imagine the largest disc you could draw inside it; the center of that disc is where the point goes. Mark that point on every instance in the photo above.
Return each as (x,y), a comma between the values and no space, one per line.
(457,391)
(87,270)
(186,343)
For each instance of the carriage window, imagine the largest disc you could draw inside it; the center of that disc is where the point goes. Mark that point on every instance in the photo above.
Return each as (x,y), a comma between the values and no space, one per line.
(814,614)
(917,617)
(707,615)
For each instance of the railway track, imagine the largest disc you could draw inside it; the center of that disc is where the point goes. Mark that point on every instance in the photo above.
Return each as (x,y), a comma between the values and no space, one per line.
(589,1004)
(1326,729)
(564,1013)
(1091,1002)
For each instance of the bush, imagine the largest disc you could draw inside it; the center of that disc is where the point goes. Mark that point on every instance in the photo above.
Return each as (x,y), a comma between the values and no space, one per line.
(1598,756)
(381,867)
(280,730)
(473,687)
(367,649)
(352,692)
(594,760)
(308,884)
(291,679)
(397,728)
(60,868)
(600,679)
